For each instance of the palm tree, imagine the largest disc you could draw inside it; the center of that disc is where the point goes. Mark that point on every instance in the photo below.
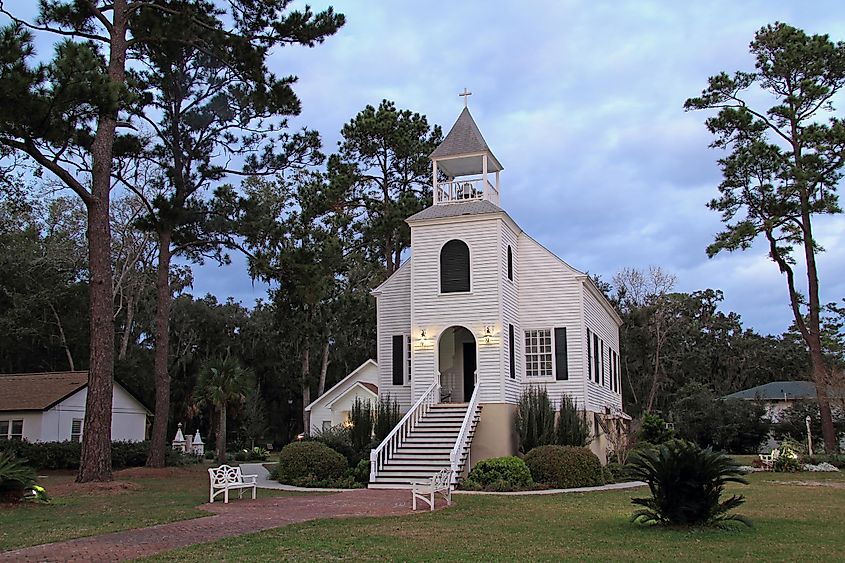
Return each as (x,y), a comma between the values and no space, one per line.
(222,382)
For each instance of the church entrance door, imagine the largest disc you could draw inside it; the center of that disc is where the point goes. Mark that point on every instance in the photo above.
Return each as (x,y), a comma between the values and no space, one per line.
(457,364)
(469,370)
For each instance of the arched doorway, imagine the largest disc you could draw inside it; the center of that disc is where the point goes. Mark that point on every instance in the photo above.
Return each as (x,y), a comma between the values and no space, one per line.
(457,364)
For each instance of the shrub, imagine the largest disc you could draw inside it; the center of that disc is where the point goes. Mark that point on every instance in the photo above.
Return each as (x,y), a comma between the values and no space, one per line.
(607,475)
(339,439)
(836,460)
(306,463)
(534,422)
(571,429)
(686,484)
(788,461)
(730,425)
(16,477)
(653,430)
(616,472)
(508,473)
(362,421)
(65,455)
(564,467)
(361,472)
(387,417)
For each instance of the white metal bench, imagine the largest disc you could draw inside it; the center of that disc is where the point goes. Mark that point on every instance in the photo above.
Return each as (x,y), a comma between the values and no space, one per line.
(440,482)
(768,460)
(224,478)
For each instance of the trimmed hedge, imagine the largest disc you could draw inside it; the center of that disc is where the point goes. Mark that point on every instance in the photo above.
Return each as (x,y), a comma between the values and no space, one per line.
(310,464)
(500,473)
(564,467)
(65,455)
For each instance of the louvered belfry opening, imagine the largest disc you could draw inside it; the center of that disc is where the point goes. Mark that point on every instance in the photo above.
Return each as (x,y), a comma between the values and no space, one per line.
(454,267)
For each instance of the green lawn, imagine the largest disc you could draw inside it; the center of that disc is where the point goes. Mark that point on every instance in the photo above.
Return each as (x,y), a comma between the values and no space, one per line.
(793,522)
(76,511)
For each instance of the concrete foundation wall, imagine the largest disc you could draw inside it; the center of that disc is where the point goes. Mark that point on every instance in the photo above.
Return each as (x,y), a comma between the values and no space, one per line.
(494,435)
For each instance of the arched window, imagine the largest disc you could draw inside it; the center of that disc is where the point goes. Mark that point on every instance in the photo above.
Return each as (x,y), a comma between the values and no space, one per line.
(510,263)
(454,267)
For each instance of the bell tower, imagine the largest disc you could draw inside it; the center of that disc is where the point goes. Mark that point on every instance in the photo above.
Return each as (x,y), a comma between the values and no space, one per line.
(463,165)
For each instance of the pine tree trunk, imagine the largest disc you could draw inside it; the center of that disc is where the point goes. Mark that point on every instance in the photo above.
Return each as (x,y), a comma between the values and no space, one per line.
(306,389)
(324,367)
(95,461)
(221,435)
(158,443)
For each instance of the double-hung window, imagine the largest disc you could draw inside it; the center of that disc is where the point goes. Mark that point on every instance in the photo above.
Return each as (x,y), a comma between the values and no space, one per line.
(76,430)
(538,353)
(11,429)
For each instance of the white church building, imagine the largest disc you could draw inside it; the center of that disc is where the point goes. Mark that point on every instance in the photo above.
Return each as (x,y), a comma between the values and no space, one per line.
(478,314)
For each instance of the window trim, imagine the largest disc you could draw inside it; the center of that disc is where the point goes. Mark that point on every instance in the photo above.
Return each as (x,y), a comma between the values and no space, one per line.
(78,433)
(439,269)
(10,426)
(408,359)
(539,378)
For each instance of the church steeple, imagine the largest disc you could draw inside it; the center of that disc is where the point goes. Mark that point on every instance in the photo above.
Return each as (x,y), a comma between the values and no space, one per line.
(466,161)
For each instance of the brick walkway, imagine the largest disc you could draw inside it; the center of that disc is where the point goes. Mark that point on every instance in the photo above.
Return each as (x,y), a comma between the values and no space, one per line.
(233,519)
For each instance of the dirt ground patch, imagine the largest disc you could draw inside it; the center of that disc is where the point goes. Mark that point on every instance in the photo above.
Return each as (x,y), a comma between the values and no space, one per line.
(831,484)
(94,489)
(151,472)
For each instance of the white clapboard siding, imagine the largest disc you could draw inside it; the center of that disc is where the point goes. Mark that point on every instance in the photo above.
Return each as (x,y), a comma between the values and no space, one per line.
(393,316)
(550,297)
(510,313)
(435,312)
(599,320)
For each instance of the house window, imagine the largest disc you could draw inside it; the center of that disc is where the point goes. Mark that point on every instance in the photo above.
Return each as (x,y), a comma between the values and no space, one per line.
(601,360)
(76,430)
(538,353)
(11,429)
(512,351)
(327,424)
(454,267)
(510,263)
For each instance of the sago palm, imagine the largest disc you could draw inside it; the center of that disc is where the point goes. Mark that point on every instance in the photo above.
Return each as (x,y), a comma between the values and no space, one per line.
(221,383)
(686,484)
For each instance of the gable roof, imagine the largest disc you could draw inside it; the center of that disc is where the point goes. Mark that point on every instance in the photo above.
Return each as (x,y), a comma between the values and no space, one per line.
(471,207)
(39,391)
(341,385)
(368,387)
(778,390)
(463,138)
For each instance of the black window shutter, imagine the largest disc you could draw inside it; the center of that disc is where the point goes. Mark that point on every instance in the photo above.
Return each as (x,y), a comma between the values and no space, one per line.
(589,356)
(561,365)
(512,352)
(398,360)
(510,263)
(454,267)
(596,357)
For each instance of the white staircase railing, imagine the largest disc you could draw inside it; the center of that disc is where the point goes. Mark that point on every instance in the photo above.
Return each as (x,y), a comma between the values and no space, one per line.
(397,436)
(463,437)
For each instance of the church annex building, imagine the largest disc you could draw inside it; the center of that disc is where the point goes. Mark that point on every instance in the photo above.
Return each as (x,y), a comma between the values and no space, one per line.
(478,314)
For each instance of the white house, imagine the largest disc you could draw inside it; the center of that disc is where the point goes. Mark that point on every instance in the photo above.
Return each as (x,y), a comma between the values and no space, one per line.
(335,405)
(50,407)
(479,313)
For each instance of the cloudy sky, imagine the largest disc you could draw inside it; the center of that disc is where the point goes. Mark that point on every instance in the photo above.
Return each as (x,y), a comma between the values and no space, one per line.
(582,102)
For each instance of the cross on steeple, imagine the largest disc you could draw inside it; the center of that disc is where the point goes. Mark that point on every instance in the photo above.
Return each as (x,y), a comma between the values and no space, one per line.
(466,93)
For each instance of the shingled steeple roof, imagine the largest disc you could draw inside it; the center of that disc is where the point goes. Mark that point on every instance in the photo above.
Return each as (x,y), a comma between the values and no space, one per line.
(465,138)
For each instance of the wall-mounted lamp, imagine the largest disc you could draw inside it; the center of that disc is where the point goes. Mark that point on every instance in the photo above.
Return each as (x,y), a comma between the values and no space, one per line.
(422,333)
(488,334)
